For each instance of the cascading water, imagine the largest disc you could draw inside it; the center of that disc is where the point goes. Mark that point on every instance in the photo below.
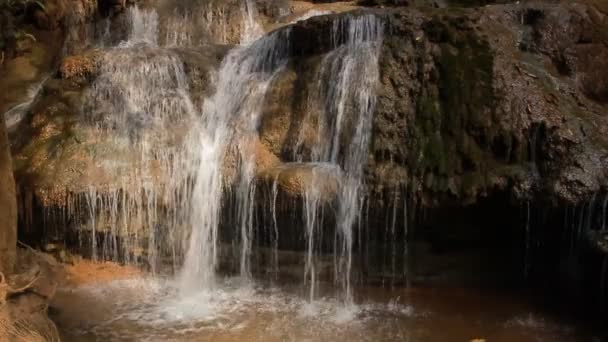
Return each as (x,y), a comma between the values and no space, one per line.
(145,89)
(197,26)
(230,115)
(140,95)
(348,78)
(170,207)
(133,86)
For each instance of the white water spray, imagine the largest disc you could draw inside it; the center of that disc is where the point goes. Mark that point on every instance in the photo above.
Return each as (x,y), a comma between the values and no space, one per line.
(230,115)
(348,78)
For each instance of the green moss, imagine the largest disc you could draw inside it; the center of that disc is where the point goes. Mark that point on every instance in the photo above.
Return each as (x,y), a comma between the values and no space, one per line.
(455,121)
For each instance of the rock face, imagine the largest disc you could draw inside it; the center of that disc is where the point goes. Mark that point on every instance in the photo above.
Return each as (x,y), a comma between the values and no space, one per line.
(467,109)
(470,103)
(64,149)
(8,205)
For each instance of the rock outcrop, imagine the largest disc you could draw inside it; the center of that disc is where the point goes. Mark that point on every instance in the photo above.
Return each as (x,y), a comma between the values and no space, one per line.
(479,112)
(467,108)
(470,103)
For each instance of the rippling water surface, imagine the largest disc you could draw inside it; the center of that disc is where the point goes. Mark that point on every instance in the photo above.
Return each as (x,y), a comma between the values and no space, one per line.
(154,310)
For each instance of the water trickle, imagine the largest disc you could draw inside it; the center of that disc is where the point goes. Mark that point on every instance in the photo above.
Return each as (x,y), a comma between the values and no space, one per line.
(14,115)
(92,201)
(143,25)
(275,227)
(348,77)
(196,25)
(311,206)
(528,243)
(250,30)
(604,204)
(138,111)
(394,238)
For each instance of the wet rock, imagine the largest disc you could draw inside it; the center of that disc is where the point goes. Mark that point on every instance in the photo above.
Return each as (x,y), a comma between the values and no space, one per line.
(295,179)
(274,8)
(571,37)
(75,157)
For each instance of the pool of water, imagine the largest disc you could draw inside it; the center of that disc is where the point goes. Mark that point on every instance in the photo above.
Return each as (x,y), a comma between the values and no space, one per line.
(152,309)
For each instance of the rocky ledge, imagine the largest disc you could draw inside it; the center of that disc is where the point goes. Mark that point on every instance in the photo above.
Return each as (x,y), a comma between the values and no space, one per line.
(506,98)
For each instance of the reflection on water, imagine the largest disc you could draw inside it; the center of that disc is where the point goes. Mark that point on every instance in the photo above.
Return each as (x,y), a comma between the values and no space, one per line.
(153,310)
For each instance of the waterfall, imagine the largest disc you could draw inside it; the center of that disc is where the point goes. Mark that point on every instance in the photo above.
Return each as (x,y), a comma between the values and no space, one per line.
(348,78)
(170,153)
(230,115)
(138,109)
(167,154)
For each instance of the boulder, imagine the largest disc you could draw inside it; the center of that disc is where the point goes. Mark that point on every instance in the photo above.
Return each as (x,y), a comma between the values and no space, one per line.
(296,179)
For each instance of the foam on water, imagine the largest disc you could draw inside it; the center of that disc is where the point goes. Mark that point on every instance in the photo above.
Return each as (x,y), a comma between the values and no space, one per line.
(154,307)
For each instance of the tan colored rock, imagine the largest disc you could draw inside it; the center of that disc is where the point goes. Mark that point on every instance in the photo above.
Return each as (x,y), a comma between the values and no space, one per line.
(296,179)
(80,67)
